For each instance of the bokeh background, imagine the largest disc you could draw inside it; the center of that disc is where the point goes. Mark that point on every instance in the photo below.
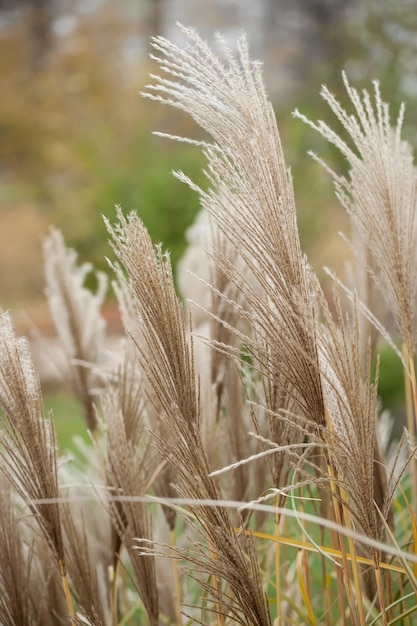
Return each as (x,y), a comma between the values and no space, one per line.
(76,137)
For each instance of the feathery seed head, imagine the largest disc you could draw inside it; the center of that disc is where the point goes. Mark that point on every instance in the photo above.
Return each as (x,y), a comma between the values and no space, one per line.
(380,195)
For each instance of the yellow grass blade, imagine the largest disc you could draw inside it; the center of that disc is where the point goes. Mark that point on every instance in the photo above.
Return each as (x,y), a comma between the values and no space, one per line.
(303,589)
(353,557)
(331,552)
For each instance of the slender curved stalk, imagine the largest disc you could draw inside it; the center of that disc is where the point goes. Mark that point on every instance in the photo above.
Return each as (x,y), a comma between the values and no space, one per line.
(338,516)
(216,584)
(177,584)
(411,417)
(67,593)
(278,564)
(114,591)
(413,384)
(381,595)
(355,569)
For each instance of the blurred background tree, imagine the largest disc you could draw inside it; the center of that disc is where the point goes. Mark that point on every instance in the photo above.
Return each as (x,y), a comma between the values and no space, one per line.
(76,137)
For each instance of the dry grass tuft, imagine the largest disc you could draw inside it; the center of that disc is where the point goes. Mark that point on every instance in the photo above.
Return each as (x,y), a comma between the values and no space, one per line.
(250,200)
(261,388)
(76,315)
(28,452)
(380,197)
(166,355)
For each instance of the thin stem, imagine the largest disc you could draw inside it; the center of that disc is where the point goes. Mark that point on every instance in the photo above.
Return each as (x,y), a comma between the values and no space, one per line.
(67,593)
(113,591)
(277,564)
(355,568)
(403,603)
(216,584)
(339,521)
(305,558)
(411,416)
(220,616)
(380,589)
(177,584)
(326,591)
(335,541)
(413,383)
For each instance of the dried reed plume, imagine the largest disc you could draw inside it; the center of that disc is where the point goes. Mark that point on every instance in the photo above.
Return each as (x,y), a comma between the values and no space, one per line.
(276,385)
(28,444)
(379,194)
(132,325)
(166,356)
(251,201)
(76,315)
(225,419)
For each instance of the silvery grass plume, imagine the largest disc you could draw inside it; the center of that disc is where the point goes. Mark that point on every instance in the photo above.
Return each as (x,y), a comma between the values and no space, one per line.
(30,589)
(380,196)
(28,443)
(359,281)
(76,314)
(251,202)
(225,419)
(226,416)
(132,326)
(165,352)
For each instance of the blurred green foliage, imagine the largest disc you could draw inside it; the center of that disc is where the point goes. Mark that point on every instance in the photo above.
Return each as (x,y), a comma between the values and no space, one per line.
(141,179)
(76,135)
(68,419)
(77,140)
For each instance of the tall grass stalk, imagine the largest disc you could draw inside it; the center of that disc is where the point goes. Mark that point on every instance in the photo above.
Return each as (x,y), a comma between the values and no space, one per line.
(177,581)
(67,592)
(278,594)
